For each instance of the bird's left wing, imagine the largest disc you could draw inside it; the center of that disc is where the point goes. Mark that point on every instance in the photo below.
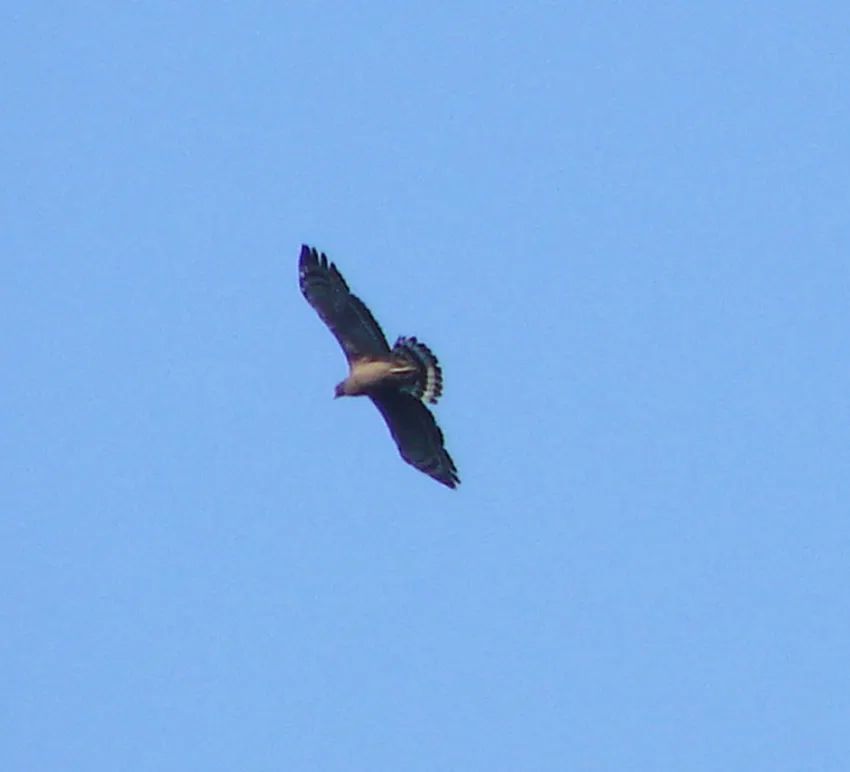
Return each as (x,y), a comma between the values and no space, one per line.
(345,314)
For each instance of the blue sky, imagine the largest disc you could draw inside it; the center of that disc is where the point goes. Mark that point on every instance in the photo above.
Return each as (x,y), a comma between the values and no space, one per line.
(623,228)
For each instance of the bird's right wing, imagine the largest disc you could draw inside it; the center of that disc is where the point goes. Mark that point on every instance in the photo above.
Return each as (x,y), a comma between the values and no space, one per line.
(417,435)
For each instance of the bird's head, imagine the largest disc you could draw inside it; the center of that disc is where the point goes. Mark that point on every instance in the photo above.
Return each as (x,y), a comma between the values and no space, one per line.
(339,390)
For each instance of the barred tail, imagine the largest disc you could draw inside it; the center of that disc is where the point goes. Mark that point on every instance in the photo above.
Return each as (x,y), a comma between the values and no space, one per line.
(428,382)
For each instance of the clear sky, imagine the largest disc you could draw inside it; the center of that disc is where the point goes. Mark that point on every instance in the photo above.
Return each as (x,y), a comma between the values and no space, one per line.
(623,228)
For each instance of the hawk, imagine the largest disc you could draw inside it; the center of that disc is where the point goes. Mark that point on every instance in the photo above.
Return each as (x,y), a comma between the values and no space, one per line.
(399,381)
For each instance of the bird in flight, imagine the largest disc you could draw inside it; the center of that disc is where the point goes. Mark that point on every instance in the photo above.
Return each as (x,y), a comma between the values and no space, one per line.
(399,381)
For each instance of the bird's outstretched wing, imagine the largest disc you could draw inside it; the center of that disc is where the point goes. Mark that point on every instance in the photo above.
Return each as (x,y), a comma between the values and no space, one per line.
(417,435)
(345,314)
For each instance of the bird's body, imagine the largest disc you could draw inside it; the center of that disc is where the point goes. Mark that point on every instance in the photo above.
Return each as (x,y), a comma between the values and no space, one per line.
(398,381)
(368,374)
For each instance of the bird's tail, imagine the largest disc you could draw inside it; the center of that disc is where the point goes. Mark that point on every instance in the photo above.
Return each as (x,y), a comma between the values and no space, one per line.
(427,383)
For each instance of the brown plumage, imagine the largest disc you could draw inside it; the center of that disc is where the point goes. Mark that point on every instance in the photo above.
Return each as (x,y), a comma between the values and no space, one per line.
(397,380)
